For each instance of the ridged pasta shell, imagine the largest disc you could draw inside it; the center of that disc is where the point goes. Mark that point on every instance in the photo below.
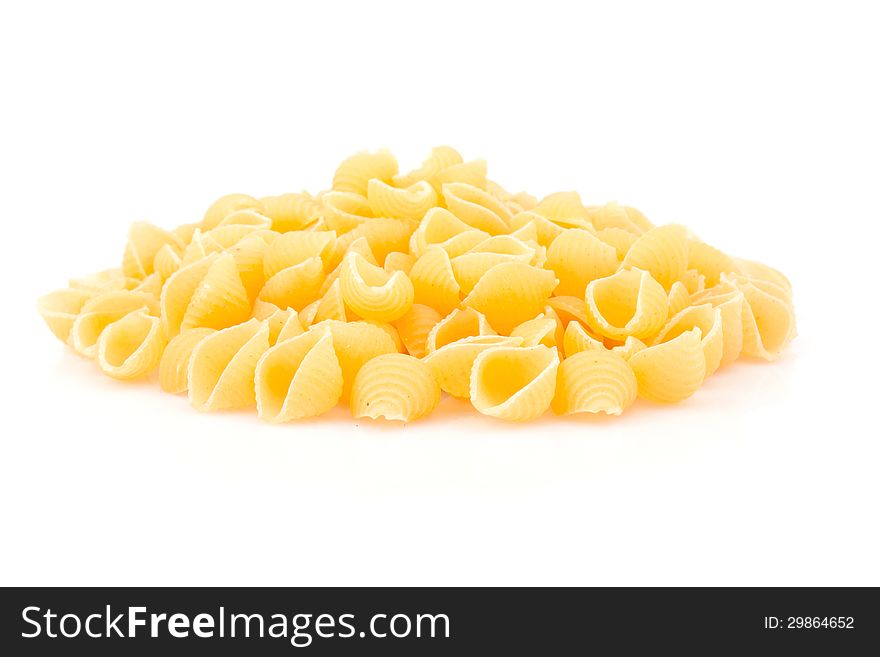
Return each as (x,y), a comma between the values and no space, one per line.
(562,207)
(709,261)
(355,344)
(356,171)
(671,371)
(295,287)
(679,298)
(568,308)
(222,367)
(291,211)
(99,312)
(404,203)
(514,383)
(144,242)
(298,378)
(60,308)
(768,318)
(477,208)
(577,339)
(577,257)
(397,261)
(104,281)
(345,211)
(434,282)
(470,267)
(131,346)
(472,173)
(540,330)
(396,387)
(460,323)
(619,238)
(167,261)
(510,293)
(296,247)
(383,235)
(174,364)
(663,252)
(226,205)
(372,293)
(729,301)
(613,215)
(709,321)
(441,157)
(220,298)
(629,302)
(546,230)
(452,363)
(414,327)
(594,381)
(761,272)
(436,227)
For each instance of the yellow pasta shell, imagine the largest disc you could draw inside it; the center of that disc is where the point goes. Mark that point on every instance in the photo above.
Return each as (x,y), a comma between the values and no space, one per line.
(709,321)
(477,208)
(663,251)
(356,343)
(441,157)
(298,378)
(612,215)
(167,261)
(514,383)
(709,261)
(144,242)
(439,226)
(472,173)
(291,211)
(397,261)
(594,381)
(97,313)
(452,363)
(372,293)
(629,302)
(226,205)
(396,387)
(174,364)
(577,339)
(222,367)
(344,211)
(671,371)
(60,308)
(405,203)
(562,207)
(460,323)
(679,298)
(577,257)
(295,287)
(383,235)
(510,293)
(355,172)
(545,229)
(131,346)
(220,299)
(296,247)
(414,327)
(540,330)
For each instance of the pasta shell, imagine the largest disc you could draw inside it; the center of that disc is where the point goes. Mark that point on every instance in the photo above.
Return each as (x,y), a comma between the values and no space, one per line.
(226,205)
(671,371)
(144,242)
(295,287)
(220,298)
(471,173)
(709,321)
(298,378)
(460,323)
(248,255)
(441,157)
(291,211)
(439,227)
(510,293)
(356,343)
(679,298)
(514,383)
(397,261)
(768,319)
(356,171)
(296,247)
(60,308)
(174,364)
(469,268)
(372,293)
(661,251)
(396,387)
(414,327)
(730,302)
(131,346)
(167,261)
(477,208)
(577,339)
(104,281)
(434,282)
(540,330)
(708,261)
(577,257)
(568,308)
(344,211)
(621,239)
(562,207)
(546,230)
(629,302)
(594,381)
(405,203)
(99,312)
(383,235)
(758,271)
(452,363)
(223,364)
(612,215)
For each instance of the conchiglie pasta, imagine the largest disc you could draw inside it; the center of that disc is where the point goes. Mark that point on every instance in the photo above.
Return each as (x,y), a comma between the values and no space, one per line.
(708,320)
(225,206)
(671,371)
(540,330)
(434,282)
(407,203)
(415,326)
(291,211)
(460,323)
(298,378)
(471,173)
(174,363)
(452,362)
(441,157)
(629,302)
(373,293)
(594,381)
(222,367)
(131,346)
(354,174)
(356,343)
(510,293)
(395,387)
(344,211)
(661,251)
(99,312)
(144,242)
(59,310)
(514,383)
(477,208)
(295,287)
(577,257)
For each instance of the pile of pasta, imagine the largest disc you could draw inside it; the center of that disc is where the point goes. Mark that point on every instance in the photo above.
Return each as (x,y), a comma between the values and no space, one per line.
(391,288)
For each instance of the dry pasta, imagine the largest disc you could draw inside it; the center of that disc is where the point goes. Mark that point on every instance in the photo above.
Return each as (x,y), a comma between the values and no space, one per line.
(393,288)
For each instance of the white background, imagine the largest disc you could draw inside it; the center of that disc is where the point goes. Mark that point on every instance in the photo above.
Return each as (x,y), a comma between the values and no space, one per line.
(756,126)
